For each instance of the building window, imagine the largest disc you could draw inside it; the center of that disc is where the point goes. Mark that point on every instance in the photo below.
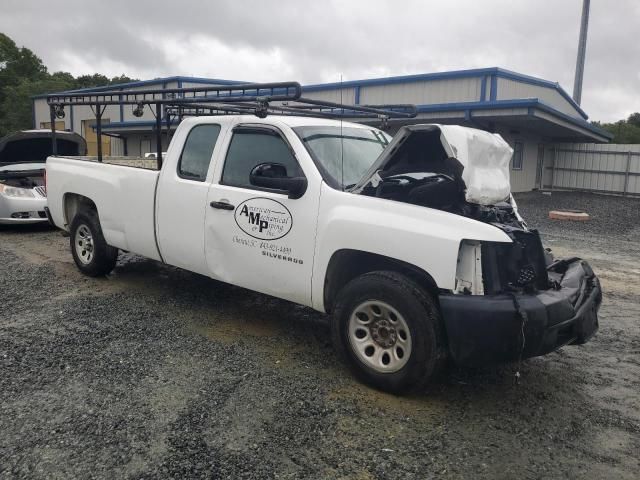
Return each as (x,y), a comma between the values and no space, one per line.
(517,158)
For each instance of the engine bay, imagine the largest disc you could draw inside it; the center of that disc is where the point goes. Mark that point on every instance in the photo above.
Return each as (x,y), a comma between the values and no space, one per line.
(420,171)
(22,179)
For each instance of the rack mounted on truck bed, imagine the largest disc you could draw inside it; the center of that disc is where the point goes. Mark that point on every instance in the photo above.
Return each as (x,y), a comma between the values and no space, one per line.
(260,99)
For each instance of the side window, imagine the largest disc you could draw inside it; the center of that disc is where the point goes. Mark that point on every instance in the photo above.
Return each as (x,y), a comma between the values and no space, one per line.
(196,153)
(516,160)
(249,148)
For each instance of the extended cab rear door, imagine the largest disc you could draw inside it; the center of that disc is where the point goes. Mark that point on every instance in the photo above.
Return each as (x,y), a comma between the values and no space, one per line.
(182,192)
(255,237)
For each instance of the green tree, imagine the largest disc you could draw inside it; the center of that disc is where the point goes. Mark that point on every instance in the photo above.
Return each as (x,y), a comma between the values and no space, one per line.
(88,81)
(17,64)
(634,119)
(15,107)
(623,131)
(99,80)
(123,79)
(23,75)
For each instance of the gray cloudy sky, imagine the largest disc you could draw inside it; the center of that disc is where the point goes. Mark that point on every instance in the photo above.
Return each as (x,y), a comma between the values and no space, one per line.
(315,41)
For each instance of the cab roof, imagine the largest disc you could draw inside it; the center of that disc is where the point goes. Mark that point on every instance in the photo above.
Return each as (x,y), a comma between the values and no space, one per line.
(289,120)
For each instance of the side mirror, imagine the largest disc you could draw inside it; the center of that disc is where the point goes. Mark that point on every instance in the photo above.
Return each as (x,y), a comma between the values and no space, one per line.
(274,176)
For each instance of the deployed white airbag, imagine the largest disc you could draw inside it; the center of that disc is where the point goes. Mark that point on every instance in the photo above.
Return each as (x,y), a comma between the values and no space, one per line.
(485,157)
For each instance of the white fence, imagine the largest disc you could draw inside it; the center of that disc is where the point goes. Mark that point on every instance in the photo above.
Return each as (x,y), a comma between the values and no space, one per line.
(606,168)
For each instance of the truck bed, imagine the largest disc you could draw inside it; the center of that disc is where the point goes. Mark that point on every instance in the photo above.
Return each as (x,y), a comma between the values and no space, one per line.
(123,190)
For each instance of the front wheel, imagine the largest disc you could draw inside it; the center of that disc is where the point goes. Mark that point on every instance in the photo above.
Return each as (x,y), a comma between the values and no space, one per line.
(90,251)
(389,331)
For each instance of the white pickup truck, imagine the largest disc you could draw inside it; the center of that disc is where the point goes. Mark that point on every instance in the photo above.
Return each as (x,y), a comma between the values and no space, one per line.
(413,244)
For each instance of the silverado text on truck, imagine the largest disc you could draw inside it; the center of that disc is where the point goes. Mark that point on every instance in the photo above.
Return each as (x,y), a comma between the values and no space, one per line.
(413,244)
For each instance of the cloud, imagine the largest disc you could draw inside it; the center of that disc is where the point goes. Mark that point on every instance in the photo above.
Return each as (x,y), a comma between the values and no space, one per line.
(315,42)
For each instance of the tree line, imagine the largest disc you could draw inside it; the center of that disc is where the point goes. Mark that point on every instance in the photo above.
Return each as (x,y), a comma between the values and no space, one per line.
(623,131)
(23,75)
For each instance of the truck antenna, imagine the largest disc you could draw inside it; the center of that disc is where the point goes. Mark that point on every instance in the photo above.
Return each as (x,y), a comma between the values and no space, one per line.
(341,137)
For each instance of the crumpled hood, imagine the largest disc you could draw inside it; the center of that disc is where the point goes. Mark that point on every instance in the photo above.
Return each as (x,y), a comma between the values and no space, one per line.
(484,158)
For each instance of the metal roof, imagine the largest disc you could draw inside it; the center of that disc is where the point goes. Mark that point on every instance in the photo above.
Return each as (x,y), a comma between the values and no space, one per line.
(476,72)
(487,104)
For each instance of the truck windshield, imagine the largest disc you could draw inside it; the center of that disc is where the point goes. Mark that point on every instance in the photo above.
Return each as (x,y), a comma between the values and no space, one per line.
(343,153)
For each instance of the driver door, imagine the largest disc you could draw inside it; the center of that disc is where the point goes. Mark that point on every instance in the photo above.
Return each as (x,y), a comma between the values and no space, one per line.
(255,237)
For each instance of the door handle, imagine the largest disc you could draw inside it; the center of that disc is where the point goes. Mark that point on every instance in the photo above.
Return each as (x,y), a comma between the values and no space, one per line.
(222,205)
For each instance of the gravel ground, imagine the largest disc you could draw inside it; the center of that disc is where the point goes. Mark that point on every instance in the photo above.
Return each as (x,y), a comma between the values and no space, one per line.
(155,372)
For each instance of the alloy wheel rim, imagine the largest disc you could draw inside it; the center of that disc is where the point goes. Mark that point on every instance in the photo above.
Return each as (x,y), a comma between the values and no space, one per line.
(379,336)
(84,244)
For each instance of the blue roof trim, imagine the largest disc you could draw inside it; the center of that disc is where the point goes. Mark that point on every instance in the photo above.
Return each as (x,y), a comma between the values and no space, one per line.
(528,103)
(576,121)
(493,93)
(121,109)
(402,79)
(477,72)
(520,77)
(476,105)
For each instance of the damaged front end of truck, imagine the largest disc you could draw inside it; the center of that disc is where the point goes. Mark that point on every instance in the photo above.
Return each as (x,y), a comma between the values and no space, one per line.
(511,300)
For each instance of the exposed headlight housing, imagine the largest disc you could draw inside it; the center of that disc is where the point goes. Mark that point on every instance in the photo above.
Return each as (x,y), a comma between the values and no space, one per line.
(489,268)
(469,269)
(16,192)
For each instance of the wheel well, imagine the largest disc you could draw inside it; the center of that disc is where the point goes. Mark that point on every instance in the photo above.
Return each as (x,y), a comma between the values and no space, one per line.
(345,265)
(74,203)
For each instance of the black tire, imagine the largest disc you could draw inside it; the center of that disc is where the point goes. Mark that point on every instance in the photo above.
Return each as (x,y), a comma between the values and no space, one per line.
(419,312)
(103,257)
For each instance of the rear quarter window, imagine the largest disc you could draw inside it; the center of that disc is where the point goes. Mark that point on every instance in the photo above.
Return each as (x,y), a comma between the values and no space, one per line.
(197,151)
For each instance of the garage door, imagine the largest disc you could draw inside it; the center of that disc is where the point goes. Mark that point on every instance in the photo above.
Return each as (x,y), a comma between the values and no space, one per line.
(59,125)
(90,136)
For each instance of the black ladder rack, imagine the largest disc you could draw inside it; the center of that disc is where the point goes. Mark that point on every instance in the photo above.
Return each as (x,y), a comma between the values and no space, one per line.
(260,99)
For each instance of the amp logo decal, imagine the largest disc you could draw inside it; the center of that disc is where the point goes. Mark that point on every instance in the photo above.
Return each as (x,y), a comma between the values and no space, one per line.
(263,218)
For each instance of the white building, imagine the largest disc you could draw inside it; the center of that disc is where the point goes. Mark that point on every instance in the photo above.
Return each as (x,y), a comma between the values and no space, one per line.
(530,113)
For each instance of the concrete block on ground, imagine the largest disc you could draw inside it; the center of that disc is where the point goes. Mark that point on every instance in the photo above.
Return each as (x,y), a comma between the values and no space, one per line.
(573,215)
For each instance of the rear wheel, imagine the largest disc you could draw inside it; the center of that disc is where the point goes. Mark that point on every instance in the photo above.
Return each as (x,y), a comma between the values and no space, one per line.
(388,330)
(90,251)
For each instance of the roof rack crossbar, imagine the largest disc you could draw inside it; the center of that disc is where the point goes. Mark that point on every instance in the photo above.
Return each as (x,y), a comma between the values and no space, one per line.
(244,108)
(319,110)
(279,91)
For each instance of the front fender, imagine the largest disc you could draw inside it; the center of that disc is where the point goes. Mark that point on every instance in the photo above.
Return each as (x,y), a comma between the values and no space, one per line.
(426,238)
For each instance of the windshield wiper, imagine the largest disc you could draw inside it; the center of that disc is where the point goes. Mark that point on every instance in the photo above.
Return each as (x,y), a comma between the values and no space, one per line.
(380,138)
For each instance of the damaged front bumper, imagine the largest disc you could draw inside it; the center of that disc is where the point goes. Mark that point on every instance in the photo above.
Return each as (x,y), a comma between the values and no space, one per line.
(487,329)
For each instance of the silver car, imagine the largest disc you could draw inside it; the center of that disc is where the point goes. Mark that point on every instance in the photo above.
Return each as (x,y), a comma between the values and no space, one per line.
(23,195)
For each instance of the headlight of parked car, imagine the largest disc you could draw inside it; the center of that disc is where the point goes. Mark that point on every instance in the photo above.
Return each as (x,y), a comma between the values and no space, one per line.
(16,192)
